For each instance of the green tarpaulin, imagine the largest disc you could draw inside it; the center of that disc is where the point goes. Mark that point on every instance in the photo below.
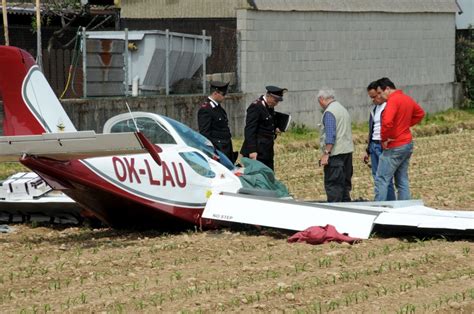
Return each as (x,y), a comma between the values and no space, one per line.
(258,176)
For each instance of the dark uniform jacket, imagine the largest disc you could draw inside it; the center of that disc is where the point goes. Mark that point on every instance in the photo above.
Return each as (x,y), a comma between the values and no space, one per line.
(259,132)
(213,124)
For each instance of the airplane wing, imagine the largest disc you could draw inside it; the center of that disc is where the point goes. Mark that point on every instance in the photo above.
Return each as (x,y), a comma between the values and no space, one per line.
(70,145)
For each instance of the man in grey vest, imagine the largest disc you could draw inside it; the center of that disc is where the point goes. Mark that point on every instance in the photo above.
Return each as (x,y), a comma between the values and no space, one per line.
(336,146)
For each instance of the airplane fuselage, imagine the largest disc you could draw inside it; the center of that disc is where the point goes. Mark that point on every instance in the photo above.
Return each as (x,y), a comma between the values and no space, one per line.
(133,190)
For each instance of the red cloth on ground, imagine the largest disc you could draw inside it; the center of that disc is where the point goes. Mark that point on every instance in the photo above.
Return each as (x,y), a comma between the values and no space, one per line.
(319,235)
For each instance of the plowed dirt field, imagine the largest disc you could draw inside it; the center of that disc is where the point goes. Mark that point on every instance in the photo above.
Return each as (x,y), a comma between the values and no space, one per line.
(79,269)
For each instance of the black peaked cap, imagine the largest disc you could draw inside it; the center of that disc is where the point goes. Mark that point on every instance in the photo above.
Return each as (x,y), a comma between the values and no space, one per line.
(219,86)
(276,91)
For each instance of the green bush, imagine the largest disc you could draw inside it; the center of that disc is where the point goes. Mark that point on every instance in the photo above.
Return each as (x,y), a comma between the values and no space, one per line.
(465,65)
(299,128)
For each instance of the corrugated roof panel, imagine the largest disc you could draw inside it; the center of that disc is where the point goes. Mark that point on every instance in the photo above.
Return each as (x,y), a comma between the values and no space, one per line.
(227,8)
(181,9)
(21,9)
(394,6)
(30,8)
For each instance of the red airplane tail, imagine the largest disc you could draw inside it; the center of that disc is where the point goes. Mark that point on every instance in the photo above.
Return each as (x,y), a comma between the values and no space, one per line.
(30,105)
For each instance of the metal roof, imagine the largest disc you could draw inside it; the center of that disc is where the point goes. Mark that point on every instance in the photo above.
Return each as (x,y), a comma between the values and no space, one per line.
(21,8)
(30,9)
(156,9)
(392,6)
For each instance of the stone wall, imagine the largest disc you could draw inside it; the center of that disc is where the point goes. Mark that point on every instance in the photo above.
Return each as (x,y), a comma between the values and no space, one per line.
(91,114)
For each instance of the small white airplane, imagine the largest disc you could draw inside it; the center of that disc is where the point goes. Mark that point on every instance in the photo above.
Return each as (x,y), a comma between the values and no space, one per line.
(120,176)
(179,180)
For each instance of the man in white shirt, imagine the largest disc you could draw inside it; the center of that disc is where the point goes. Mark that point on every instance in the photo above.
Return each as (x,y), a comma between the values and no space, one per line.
(374,147)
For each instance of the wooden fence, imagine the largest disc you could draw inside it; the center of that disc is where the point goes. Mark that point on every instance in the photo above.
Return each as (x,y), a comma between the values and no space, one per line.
(56,64)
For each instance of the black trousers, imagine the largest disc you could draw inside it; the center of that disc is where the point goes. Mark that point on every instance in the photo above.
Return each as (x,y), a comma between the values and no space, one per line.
(225,146)
(267,162)
(337,178)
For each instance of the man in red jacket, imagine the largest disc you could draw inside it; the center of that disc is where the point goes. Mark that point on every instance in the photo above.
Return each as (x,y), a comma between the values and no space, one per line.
(401,113)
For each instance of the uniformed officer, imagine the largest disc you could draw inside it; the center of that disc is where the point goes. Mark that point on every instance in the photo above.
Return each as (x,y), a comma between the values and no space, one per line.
(213,122)
(260,131)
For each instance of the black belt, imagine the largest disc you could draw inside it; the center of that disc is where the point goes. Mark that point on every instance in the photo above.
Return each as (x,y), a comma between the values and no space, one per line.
(376,141)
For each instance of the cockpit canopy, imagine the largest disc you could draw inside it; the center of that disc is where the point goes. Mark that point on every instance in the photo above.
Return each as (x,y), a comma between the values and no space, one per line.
(163,130)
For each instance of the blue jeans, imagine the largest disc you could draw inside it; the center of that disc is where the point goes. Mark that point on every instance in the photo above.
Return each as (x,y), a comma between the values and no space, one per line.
(393,163)
(375,150)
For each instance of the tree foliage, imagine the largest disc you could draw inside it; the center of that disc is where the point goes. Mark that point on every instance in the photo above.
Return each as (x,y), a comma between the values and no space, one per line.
(465,65)
(70,13)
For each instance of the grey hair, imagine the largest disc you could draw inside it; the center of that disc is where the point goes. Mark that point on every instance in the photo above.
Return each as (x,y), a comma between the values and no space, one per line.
(326,93)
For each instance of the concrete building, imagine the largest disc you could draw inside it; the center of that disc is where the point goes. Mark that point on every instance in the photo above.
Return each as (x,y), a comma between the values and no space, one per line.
(306,44)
